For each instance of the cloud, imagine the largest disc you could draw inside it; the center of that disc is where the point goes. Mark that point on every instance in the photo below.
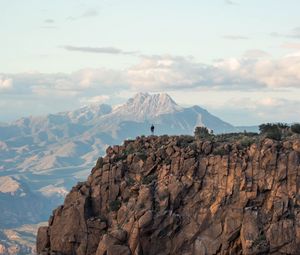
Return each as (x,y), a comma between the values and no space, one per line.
(158,72)
(81,83)
(294,33)
(293,55)
(49,21)
(49,27)
(264,109)
(291,45)
(255,54)
(235,37)
(36,93)
(5,83)
(105,50)
(155,72)
(230,2)
(94,100)
(90,13)
(254,71)
(86,14)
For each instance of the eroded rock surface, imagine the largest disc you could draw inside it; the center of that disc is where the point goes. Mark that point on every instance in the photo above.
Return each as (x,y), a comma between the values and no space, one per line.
(175,195)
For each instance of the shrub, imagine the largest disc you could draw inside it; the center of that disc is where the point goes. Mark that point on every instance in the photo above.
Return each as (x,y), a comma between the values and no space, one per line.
(141,206)
(282,125)
(272,131)
(142,155)
(130,181)
(246,142)
(129,150)
(296,128)
(148,179)
(275,134)
(220,151)
(167,161)
(261,238)
(201,132)
(115,205)
(185,140)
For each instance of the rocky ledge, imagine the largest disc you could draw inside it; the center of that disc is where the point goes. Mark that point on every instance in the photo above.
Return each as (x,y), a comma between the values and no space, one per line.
(178,195)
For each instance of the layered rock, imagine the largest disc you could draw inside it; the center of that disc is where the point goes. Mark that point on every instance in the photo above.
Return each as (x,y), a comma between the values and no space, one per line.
(177,195)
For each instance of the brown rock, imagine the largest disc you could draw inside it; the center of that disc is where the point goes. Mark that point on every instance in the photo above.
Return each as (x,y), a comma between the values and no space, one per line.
(296,145)
(118,250)
(43,241)
(174,195)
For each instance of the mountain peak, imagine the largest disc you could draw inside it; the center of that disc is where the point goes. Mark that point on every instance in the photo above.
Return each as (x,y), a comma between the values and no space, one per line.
(9,185)
(147,96)
(150,105)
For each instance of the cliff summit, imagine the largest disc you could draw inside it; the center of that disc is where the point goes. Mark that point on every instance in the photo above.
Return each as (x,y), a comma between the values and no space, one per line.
(181,195)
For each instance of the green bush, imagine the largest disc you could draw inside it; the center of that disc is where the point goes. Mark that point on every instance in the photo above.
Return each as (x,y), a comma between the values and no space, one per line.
(261,238)
(142,155)
(129,150)
(275,135)
(296,128)
(130,181)
(148,179)
(220,151)
(167,161)
(272,131)
(201,132)
(246,142)
(115,205)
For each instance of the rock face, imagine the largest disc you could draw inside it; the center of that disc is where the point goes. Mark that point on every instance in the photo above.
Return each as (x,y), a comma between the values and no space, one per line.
(177,195)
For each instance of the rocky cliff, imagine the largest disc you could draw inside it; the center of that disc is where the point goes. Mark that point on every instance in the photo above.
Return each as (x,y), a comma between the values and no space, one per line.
(178,195)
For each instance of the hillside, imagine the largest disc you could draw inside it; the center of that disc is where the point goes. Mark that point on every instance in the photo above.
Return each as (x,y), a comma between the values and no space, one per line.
(19,205)
(181,195)
(42,157)
(76,138)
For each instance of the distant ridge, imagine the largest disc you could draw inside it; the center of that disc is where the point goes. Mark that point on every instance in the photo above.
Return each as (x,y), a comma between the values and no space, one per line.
(34,143)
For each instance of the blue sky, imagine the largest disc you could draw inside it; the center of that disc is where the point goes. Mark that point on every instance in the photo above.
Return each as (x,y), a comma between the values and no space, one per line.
(239,59)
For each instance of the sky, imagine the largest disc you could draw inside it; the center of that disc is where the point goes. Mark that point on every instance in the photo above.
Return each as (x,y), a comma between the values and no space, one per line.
(239,59)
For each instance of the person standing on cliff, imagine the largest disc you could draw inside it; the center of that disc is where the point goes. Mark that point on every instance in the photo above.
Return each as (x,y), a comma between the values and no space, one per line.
(152,129)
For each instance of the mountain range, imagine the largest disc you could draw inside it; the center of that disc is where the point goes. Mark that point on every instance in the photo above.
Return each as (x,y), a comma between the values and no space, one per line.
(46,155)
(76,138)
(50,153)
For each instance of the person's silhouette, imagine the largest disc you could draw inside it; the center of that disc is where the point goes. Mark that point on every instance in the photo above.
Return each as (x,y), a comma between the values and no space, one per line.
(152,129)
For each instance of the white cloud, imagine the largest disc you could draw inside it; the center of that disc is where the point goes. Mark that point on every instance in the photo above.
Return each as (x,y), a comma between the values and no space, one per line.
(5,83)
(90,13)
(237,77)
(94,100)
(157,72)
(101,50)
(291,45)
(255,54)
(49,21)
(294,33)
(253,71)
(235,37)
(230,2)
(259,109)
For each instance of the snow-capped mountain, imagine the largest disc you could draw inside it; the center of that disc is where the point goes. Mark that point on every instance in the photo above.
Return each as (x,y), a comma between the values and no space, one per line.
(145,106)
(78,137)
(50,153)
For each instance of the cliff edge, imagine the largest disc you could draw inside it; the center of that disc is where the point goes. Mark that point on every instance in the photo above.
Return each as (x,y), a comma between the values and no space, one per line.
(181,195)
